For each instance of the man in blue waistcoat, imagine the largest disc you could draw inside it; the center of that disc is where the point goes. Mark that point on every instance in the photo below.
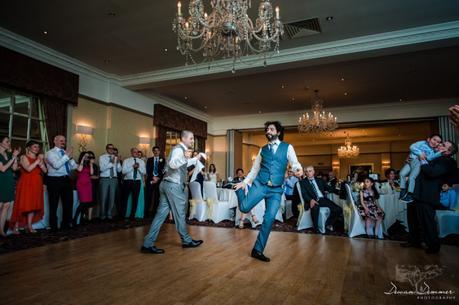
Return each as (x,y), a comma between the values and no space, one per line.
(267,177)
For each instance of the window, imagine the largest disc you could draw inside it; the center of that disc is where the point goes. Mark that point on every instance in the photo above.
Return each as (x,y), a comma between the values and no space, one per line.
(173,138)
(22,118)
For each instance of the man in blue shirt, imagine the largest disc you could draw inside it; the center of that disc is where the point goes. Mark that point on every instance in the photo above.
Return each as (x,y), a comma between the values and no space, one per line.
(448,197)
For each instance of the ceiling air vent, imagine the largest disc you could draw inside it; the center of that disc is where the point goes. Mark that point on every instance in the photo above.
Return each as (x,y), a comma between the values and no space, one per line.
(303,28)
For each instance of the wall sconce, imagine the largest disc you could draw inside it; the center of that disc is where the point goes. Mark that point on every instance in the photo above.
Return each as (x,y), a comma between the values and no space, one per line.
(83,132)
(143,143)
(385,163)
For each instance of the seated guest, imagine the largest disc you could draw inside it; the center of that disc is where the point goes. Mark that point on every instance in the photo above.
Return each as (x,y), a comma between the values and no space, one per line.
(448,197)
(84,184)
(313,191)
(421,212)
(390,186)
(239,176)
(289,184)
(155,173)
(133,169)
(369,208)
(29,204)
(212,174)
(60,163)
(332,180)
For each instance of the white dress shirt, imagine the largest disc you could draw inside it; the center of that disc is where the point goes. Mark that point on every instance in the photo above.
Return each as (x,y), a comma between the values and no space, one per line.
(177,158)
(291,156)
(105,164)
(128,169)
(56,159)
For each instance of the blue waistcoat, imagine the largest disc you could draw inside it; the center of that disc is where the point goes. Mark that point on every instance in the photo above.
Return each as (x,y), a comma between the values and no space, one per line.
(273,166)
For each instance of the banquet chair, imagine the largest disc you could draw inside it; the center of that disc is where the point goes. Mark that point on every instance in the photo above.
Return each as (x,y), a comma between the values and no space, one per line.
(217,210)
(356,222)
(305,219)
(287,208)
(447,220)
(198,208)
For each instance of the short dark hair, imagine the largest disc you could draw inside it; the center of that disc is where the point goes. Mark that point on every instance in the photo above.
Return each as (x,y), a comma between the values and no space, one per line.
(436,135)
(32,142)
(239,169)
(155,147)
(387,172)
(278,126)
(3,137)
(106,146)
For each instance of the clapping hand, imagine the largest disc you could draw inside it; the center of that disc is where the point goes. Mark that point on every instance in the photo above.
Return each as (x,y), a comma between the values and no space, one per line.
(16,152)
(69,152)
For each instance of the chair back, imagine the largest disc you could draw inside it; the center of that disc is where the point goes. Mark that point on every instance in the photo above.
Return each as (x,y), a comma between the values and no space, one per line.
(210,190)
(298,187)
(195,189)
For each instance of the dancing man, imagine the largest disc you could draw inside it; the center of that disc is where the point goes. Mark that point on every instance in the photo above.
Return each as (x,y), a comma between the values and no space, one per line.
(172,196)
(267,175)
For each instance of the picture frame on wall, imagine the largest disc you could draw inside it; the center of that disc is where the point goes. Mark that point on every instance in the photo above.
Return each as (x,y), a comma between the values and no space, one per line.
(363,169)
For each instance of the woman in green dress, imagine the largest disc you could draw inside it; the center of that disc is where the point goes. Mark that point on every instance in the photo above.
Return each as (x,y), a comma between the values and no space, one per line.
(8,164)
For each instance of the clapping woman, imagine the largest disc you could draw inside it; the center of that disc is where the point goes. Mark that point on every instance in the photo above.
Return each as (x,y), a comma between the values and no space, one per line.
(28,206)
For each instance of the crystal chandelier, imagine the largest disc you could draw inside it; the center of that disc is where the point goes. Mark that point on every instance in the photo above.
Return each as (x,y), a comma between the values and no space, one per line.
(227,31)
(318,121)
(348,151)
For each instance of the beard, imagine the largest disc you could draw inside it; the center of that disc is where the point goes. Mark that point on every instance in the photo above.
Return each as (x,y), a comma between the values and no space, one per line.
(271,137)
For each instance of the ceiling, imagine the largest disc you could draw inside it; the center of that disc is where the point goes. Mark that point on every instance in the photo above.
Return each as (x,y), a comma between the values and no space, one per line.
(126,37)
(412,76)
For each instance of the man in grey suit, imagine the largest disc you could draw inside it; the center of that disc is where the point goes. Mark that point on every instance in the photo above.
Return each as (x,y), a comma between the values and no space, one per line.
(172,195)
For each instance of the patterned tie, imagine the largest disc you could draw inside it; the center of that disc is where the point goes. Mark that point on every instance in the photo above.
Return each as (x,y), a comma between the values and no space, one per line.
(314,188)
(135,169)
(67,168)
(155,167)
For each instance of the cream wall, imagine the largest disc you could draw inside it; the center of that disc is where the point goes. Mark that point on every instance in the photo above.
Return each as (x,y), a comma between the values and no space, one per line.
(216,148)
(111,124)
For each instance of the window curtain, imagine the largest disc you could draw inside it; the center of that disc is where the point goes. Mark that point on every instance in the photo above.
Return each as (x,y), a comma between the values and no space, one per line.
(55,118)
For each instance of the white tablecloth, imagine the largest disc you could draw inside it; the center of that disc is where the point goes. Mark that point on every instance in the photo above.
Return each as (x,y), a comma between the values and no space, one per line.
(394,209)
(227,195)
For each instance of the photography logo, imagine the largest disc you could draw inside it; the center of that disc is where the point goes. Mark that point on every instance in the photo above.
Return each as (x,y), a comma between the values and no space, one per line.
(414,280)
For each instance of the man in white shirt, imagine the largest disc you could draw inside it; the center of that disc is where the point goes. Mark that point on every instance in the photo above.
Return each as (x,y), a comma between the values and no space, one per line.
(60,165)
(267,175)
(133,170)
(172,195)
(110,168)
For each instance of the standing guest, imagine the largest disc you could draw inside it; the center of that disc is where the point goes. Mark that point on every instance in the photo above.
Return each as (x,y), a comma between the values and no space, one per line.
(28,206)
(313,192)
(289,185)
(173,196)
(140,208)
(155,173)
(8,164)
(95,184)
(110,167)
(118,197)
(448,197)
(419,151)
(390,186)
(133,169)
(421,212)
(267,175)
(60,164)
(212,174)
(369,208)
(84,185)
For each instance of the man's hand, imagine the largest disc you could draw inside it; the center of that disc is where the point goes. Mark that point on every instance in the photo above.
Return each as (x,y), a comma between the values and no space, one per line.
(154,180)
(69,152)
(188,154)
(240,185)
(422,156)
(136,165)
(312,203)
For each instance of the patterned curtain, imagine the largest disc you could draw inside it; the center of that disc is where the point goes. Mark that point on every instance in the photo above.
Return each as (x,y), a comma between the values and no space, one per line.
(161,138)
(55,118)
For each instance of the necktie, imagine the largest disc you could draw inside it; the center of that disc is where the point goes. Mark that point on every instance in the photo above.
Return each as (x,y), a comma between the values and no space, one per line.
(112,171)
(135,169)
(155,167)
(67,168)
(314,188)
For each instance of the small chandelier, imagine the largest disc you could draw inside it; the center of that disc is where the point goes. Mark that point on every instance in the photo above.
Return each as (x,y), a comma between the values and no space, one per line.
(348,151)
(318,121)
(227,31)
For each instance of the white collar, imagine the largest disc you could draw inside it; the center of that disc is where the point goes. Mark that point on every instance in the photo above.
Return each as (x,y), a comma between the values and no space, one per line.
(277,142)
(183,145)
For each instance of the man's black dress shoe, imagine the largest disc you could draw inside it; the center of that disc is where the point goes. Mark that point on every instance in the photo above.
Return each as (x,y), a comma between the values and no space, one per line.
(410,245)
(192,244)
(258,255)
(151,250)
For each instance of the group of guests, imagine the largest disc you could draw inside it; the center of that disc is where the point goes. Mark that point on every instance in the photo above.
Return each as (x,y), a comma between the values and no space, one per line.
(123,187)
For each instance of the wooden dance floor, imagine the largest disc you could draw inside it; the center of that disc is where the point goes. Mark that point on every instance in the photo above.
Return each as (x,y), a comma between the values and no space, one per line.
(305,269)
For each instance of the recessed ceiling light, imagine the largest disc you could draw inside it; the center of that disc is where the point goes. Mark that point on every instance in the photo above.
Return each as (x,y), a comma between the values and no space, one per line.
(45,32)
(401,100)
(165,50)
(293,99)
(283,86)
(186,97)
(329,18)
(345,93)
(342,79)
